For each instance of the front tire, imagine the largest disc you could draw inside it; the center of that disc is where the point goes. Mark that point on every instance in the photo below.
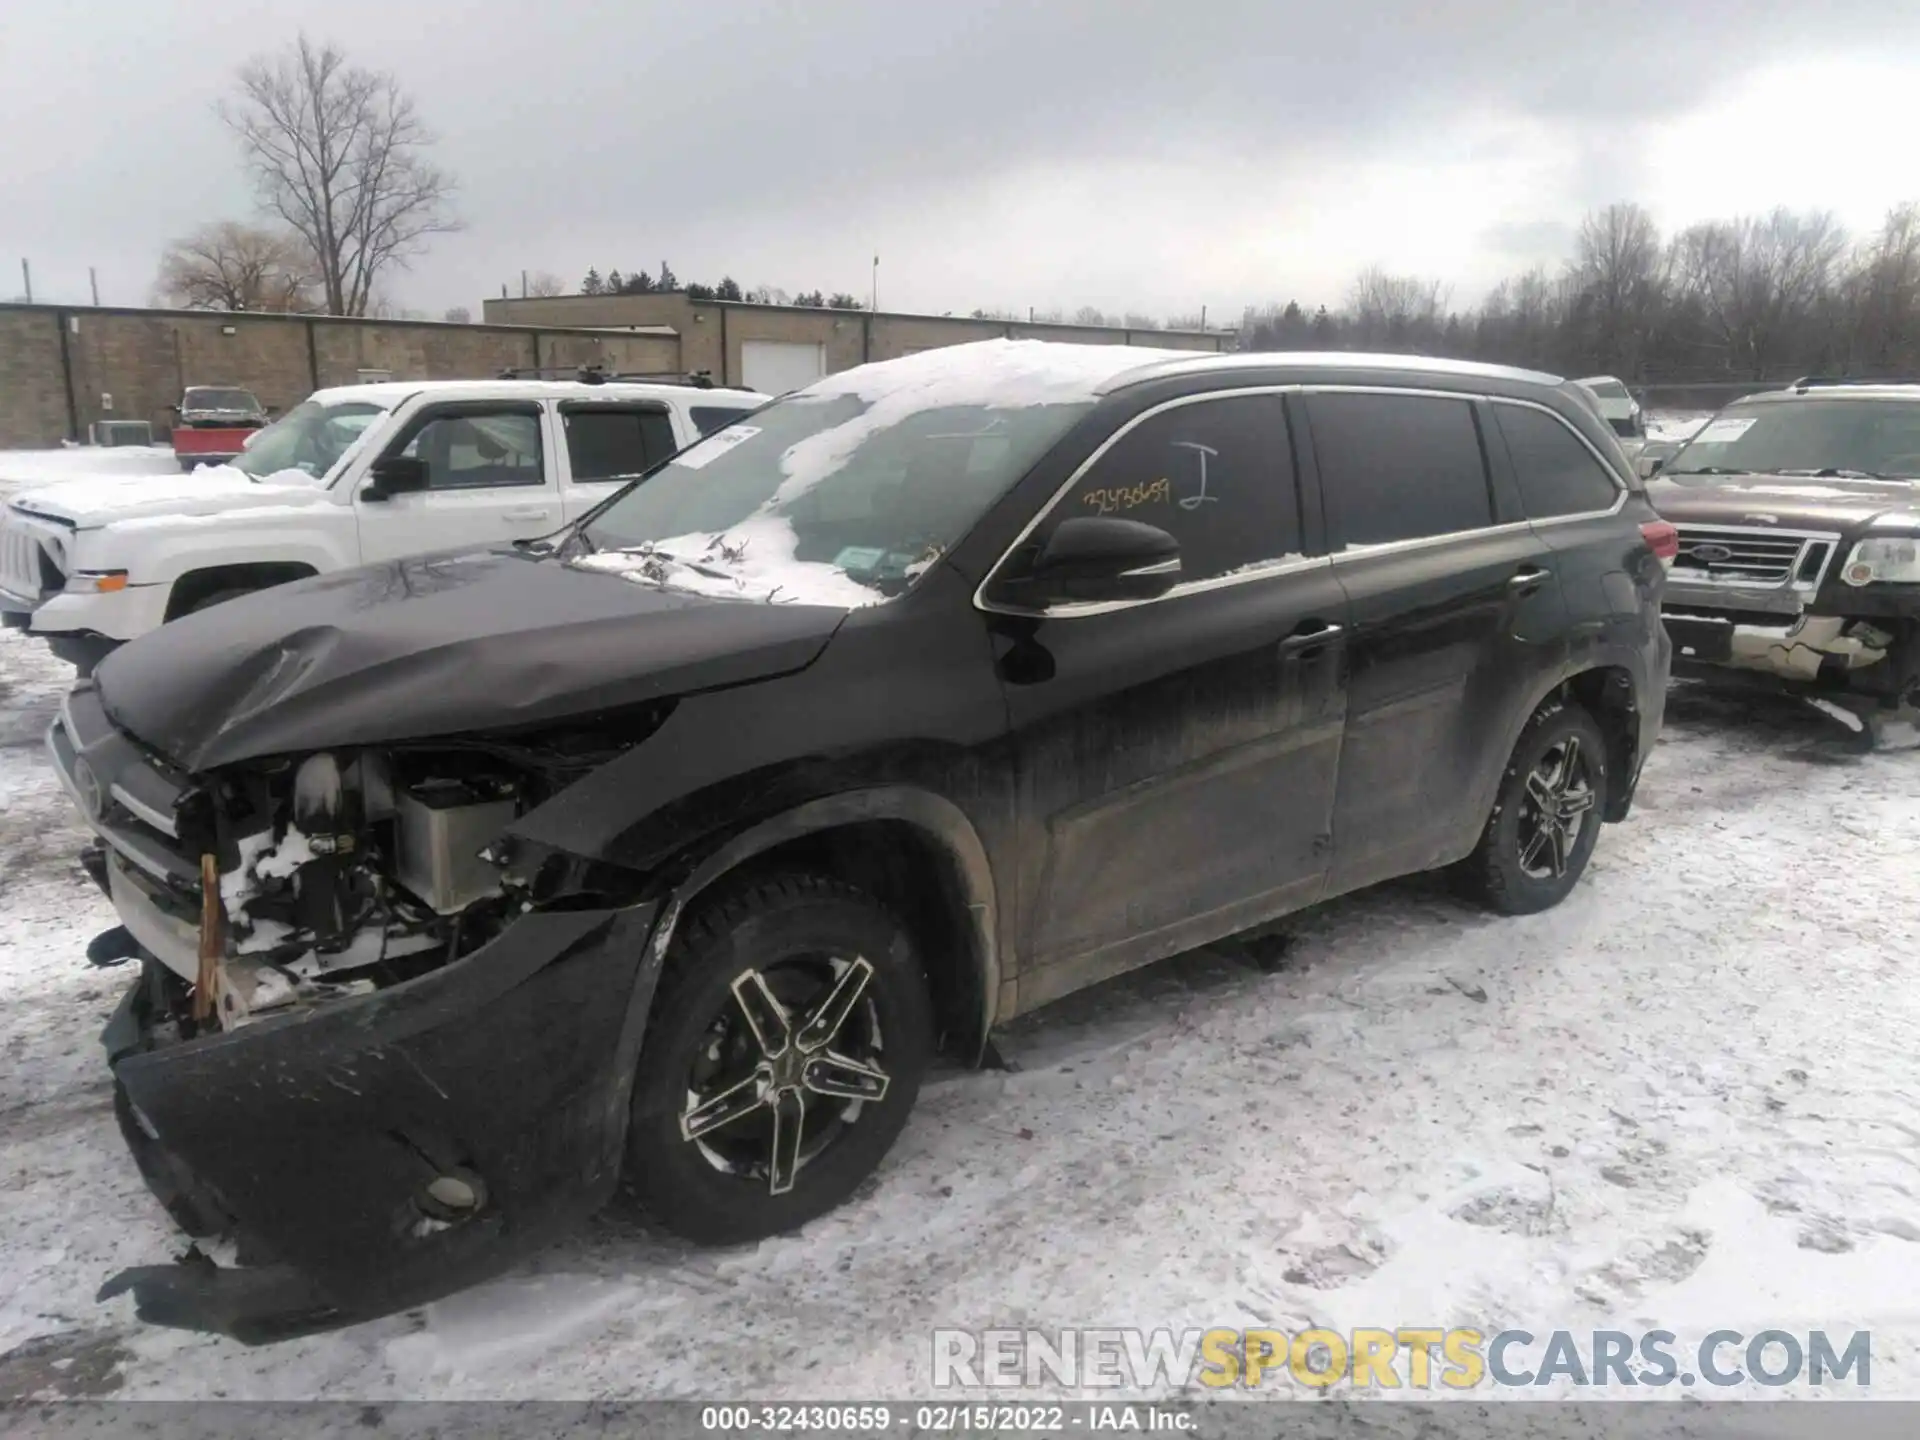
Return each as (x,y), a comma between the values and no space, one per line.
(1546,817)
(785,1051)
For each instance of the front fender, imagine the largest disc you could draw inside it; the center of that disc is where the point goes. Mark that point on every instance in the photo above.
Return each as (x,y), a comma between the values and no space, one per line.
(159,550)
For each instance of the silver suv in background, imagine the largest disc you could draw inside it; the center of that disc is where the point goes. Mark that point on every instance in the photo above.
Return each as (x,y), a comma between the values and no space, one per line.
(1616,406)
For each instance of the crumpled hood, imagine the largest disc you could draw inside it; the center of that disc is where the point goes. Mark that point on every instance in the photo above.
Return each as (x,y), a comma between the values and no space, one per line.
(1792,502)
(436,645)
(217,489)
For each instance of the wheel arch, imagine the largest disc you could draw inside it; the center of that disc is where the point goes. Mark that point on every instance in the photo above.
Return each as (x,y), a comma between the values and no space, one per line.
(921,853)
(194,585)
(1607,689)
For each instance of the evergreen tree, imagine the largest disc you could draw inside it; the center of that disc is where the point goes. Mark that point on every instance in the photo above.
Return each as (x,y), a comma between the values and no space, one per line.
(593,284)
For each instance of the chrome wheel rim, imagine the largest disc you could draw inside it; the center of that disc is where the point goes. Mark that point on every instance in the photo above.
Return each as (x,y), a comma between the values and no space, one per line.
(1555,810)
(787,1065)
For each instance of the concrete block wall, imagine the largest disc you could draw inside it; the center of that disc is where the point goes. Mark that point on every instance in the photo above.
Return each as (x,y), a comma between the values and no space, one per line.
(132,364)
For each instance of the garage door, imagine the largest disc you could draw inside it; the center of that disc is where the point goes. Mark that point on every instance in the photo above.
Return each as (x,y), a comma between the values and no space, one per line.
(774,367)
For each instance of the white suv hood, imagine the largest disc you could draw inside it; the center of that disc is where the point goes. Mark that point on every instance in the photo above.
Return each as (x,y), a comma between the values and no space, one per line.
(213,490)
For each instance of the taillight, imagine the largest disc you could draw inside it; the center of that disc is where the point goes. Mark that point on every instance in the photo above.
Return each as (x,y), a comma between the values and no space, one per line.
(1663,540)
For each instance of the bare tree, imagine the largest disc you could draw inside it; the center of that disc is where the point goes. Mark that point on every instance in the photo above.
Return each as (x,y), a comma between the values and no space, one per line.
(1762,287)
(1396,310)
(1619,277)
(544,283)
(230,266)
(338,153)
(1883,298)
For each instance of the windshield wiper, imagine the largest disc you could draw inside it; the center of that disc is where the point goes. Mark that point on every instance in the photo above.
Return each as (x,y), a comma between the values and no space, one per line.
(1707,470)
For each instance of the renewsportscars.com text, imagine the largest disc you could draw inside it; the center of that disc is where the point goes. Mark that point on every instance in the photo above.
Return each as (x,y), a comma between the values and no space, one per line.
(1404,1357)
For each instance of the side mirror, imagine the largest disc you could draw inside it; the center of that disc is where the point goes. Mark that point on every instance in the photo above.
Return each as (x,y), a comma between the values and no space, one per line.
(394,475)
(1650,465)
(246,442)
(1093,558)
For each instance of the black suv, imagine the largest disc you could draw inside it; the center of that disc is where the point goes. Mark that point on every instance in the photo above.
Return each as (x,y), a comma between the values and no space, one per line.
(667,852)
(1799,557)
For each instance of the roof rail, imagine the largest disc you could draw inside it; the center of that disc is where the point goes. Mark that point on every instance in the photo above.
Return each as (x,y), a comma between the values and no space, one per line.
(595,375)
(1810,382)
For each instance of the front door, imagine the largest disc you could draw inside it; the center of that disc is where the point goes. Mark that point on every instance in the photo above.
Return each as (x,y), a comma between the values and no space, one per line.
(488,480)
(1456,618)
(1176,757)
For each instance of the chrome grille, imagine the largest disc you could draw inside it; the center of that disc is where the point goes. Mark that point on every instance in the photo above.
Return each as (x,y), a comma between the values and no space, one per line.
(19,561)
(1753,559)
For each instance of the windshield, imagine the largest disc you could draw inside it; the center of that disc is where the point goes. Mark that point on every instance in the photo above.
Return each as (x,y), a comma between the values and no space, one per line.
(206,399)
(1811,439)
(308,440)
(828,499)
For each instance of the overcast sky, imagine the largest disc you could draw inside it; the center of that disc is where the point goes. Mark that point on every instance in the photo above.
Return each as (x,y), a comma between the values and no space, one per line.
(1054,153)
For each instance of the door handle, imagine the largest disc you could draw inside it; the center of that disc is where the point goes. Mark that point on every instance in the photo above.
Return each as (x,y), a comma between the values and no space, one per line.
(1529,580)
(1300,642)
(523,512)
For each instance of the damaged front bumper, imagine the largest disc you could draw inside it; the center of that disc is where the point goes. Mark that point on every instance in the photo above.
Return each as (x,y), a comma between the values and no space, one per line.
(378,1151)
(1869,656)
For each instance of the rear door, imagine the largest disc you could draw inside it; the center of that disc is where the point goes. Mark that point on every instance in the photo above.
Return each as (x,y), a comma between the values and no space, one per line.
(608,443)
(1176,757)
(489,478)
(1456,620)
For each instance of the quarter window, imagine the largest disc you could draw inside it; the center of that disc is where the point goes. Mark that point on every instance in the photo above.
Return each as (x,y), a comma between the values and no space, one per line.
(1215,474)
(612,444)
(1556,473)
(1399,467)
(709,418)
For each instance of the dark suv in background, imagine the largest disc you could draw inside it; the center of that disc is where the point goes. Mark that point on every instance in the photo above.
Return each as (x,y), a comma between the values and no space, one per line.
(1799,555)
(670,850)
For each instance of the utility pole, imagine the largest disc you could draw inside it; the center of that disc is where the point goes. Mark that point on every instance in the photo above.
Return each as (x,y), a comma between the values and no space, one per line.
(26,278)
(873,300)
(1203,319)
(93,279)
(523,284)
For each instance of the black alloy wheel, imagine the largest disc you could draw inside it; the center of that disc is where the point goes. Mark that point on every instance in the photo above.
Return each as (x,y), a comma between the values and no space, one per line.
(1546,817)
(781,1061)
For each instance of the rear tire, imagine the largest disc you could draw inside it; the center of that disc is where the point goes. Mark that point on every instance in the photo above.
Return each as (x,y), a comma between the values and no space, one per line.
(780,1151)
(1546,815)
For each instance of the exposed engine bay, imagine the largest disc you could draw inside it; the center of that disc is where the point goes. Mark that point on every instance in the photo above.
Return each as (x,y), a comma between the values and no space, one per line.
(364,871)
(290,882)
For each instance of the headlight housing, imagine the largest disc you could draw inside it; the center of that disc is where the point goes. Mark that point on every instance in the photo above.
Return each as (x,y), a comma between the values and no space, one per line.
(96,582)
(1891,560)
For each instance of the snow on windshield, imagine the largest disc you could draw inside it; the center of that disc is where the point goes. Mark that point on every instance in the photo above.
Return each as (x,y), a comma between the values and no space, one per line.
(844,493)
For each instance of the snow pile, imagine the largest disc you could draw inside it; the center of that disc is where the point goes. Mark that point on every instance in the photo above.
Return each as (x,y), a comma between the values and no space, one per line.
(752,561)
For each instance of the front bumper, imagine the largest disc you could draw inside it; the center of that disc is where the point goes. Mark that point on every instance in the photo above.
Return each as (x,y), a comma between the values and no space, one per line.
(1830,652)
(117,615)
(312,1136)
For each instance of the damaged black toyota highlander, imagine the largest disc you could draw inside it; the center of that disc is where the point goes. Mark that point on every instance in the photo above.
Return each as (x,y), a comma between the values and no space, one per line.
(663,855)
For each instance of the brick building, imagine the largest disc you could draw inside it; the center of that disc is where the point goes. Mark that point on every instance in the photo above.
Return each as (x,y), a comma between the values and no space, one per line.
(776,347)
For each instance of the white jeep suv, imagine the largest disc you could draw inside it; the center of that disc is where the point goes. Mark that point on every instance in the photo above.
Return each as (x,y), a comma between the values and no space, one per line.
(352,475)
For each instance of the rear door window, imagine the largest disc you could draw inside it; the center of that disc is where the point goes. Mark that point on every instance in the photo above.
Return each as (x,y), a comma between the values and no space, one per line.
(616,442)
(1399,467)
(1215,474)
(1557,474)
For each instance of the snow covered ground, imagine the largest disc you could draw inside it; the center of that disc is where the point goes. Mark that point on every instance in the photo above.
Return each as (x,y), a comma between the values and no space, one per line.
(1684,1098)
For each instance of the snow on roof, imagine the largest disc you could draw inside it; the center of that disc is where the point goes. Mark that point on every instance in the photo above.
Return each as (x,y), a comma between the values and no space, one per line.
(388,393)
(990,374)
